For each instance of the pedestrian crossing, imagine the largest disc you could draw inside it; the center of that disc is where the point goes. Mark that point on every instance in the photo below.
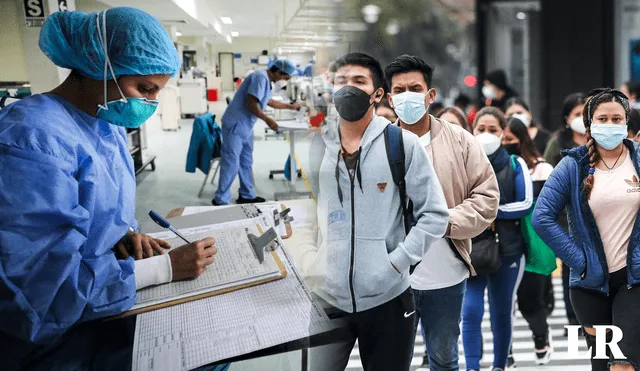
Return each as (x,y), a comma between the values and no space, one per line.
(522,341)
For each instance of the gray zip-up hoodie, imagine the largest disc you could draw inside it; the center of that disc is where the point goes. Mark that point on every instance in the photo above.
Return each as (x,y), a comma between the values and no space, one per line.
(360,223)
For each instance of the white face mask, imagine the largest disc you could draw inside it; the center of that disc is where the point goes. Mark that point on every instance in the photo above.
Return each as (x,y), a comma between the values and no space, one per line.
(523,117)
(280,84)
(489,142)
(409,107)
(489,92)
(577,125)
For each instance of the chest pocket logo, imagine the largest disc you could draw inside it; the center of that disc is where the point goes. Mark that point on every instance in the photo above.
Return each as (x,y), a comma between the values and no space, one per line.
(382,186)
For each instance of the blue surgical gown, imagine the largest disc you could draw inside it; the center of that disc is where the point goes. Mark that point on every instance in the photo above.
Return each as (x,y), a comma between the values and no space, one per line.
(67,196)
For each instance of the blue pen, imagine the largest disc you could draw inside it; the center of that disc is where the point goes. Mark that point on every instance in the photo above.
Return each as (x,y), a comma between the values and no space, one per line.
(165,224)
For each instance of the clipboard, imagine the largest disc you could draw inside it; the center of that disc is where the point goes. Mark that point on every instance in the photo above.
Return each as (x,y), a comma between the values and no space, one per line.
(221,215)
(280,265)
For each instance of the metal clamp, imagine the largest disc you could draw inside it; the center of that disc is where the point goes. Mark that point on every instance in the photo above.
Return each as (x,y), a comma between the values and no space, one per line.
(282,216)
(267,241)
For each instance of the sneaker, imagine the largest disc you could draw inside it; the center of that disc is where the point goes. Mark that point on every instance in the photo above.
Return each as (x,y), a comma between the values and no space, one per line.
(511,362)
(543,349)
(256,200)
(425,364)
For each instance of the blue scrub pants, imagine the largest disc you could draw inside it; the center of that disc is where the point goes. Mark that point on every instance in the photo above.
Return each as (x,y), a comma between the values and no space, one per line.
(236,159)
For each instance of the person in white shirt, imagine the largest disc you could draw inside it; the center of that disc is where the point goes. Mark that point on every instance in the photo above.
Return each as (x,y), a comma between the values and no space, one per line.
(471,192)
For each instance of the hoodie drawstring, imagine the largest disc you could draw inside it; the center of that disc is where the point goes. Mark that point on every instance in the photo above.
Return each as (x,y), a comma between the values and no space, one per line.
(357,170)
(358,175)
(337,174)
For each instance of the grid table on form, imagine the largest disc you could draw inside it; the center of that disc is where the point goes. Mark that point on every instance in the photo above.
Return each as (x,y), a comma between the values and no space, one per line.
(224,326)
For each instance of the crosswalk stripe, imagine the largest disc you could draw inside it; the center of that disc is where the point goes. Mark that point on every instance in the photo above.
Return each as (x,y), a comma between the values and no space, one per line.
(522,341)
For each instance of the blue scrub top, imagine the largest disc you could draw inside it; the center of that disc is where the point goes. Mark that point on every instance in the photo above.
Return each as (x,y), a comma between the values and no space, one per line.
(67,197)
(256,84)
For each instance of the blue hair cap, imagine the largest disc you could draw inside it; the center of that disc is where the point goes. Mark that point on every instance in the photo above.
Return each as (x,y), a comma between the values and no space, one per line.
(137,43)
(285,66)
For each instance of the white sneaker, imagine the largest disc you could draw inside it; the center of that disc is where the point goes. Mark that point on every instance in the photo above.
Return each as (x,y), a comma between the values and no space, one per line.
(543,349)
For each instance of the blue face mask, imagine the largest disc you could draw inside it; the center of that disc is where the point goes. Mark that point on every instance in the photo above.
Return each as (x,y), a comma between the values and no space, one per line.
(409,107)
(126,112)
(608,136)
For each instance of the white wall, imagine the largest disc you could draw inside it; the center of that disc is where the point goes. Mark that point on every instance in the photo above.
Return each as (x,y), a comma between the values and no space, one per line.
(19,43)
(627,21)
(90,6)
(251,48)
(12,59)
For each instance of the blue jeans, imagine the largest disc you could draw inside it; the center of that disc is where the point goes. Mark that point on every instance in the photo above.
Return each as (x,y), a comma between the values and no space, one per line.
(503,286)
(439,311)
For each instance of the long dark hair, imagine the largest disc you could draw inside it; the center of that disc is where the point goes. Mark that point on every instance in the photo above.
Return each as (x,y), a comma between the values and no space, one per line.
(565,133)
(596,98)
(526,147)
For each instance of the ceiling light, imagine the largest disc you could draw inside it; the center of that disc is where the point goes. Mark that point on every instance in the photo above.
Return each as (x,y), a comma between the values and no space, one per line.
(235,33)
(393,28)
(371,13)
(217,27)
(226,20)
(178,33)
(229,39)
(521,15)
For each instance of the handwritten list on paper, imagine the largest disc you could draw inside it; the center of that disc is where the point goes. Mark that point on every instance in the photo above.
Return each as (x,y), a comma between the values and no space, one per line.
(201,332)
(235,263)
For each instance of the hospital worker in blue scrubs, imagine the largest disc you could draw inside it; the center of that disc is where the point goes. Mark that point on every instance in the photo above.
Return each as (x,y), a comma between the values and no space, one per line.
(67,197)
(247,106)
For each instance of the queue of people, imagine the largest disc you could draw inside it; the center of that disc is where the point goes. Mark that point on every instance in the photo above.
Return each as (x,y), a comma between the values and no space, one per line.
(418,213)
(496,189)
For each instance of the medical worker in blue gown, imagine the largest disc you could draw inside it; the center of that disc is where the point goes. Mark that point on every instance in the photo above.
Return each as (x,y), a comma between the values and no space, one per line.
(67,197)
(247,106)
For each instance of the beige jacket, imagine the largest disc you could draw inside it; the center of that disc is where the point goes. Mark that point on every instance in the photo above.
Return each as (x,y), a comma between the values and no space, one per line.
(468,182)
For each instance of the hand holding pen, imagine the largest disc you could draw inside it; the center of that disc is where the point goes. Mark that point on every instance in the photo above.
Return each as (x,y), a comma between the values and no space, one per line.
(190,260)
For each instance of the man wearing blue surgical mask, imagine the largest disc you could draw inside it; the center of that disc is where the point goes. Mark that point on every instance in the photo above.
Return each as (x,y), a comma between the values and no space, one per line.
(236,157)
(471,192)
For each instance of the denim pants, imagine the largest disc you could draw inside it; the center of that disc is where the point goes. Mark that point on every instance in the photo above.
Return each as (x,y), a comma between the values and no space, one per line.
(439,311)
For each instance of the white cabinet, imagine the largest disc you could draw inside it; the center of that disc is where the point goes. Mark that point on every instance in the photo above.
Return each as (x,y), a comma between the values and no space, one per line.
(193,96)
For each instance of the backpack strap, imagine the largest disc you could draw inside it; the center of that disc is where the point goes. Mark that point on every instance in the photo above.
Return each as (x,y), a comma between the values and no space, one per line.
(394,144)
